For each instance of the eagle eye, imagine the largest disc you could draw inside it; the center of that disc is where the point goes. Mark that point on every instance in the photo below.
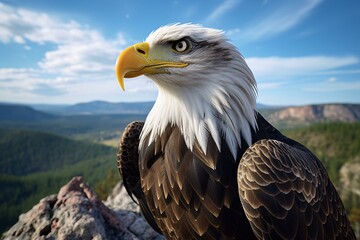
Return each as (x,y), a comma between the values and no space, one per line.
(182,45)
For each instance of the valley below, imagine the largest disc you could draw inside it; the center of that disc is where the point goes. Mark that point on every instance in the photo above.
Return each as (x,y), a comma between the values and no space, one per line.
(42,148)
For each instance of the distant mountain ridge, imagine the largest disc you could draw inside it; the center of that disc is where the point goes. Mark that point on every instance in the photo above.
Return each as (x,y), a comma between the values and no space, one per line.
(287,116)
(304,115)
(103,107)
(99,107)
(91,108)
(22,113)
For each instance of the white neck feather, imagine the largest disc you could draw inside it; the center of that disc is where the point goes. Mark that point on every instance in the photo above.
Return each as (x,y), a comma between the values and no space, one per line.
(223,108)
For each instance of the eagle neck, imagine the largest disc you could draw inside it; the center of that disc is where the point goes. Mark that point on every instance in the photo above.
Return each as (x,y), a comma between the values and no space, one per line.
(199,116)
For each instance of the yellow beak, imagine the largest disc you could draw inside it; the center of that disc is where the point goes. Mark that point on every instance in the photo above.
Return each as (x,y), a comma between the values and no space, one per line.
(134,61)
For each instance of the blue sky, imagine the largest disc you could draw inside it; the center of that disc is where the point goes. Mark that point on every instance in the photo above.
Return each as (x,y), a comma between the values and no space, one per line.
(301,51)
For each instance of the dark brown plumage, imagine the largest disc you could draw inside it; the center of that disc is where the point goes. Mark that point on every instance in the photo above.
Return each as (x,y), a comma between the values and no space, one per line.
(263,194)
(128,165)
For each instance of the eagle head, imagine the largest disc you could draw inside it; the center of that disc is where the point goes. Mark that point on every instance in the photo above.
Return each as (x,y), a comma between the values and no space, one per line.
(205,86)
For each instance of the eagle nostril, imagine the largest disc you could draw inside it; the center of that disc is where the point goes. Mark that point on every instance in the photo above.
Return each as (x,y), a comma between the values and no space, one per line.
(140,51)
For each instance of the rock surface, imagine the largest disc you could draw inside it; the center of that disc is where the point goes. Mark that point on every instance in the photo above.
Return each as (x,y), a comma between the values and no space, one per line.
(77,213)
(120,200)
(350,180)
(318,113)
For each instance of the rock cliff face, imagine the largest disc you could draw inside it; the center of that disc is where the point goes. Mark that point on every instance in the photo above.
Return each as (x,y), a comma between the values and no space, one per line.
(317,113)
(350,180)
(77,213)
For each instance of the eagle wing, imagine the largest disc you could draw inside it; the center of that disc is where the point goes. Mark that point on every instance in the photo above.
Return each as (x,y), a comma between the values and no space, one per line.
(128,165)
(286,194)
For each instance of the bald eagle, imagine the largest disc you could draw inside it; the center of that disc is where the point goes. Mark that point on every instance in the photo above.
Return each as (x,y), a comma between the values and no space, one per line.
(205,164)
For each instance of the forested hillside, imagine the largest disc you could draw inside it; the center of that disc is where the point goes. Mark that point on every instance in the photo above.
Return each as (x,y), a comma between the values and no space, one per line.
(35,164)
(24,151)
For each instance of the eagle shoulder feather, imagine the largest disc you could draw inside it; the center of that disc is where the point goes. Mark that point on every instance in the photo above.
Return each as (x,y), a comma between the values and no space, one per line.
(283,184)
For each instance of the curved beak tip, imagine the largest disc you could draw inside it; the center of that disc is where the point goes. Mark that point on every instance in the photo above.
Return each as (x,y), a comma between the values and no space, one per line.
(120,79)
(131,59)
(122,85)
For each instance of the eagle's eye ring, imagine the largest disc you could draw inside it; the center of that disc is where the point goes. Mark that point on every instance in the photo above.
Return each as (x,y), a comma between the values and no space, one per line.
(182,45)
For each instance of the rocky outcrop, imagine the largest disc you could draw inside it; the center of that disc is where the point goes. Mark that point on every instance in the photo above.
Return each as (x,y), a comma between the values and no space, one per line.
(350,181)
(120,200)
(77,213)
(317,113)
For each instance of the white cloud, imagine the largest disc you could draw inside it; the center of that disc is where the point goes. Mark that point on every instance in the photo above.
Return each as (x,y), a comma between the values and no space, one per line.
(334,86)
(346,72)
(37,86)
(285,67)
(81,55)
(75,58)
(222,9)
(332,79)
(281,75)
(79,48)
(20,25)
(21,80)
(280,20)
(269,85)
(10,74)
(19,39)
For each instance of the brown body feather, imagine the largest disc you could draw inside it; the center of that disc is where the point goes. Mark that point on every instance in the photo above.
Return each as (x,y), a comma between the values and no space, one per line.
(274,189)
